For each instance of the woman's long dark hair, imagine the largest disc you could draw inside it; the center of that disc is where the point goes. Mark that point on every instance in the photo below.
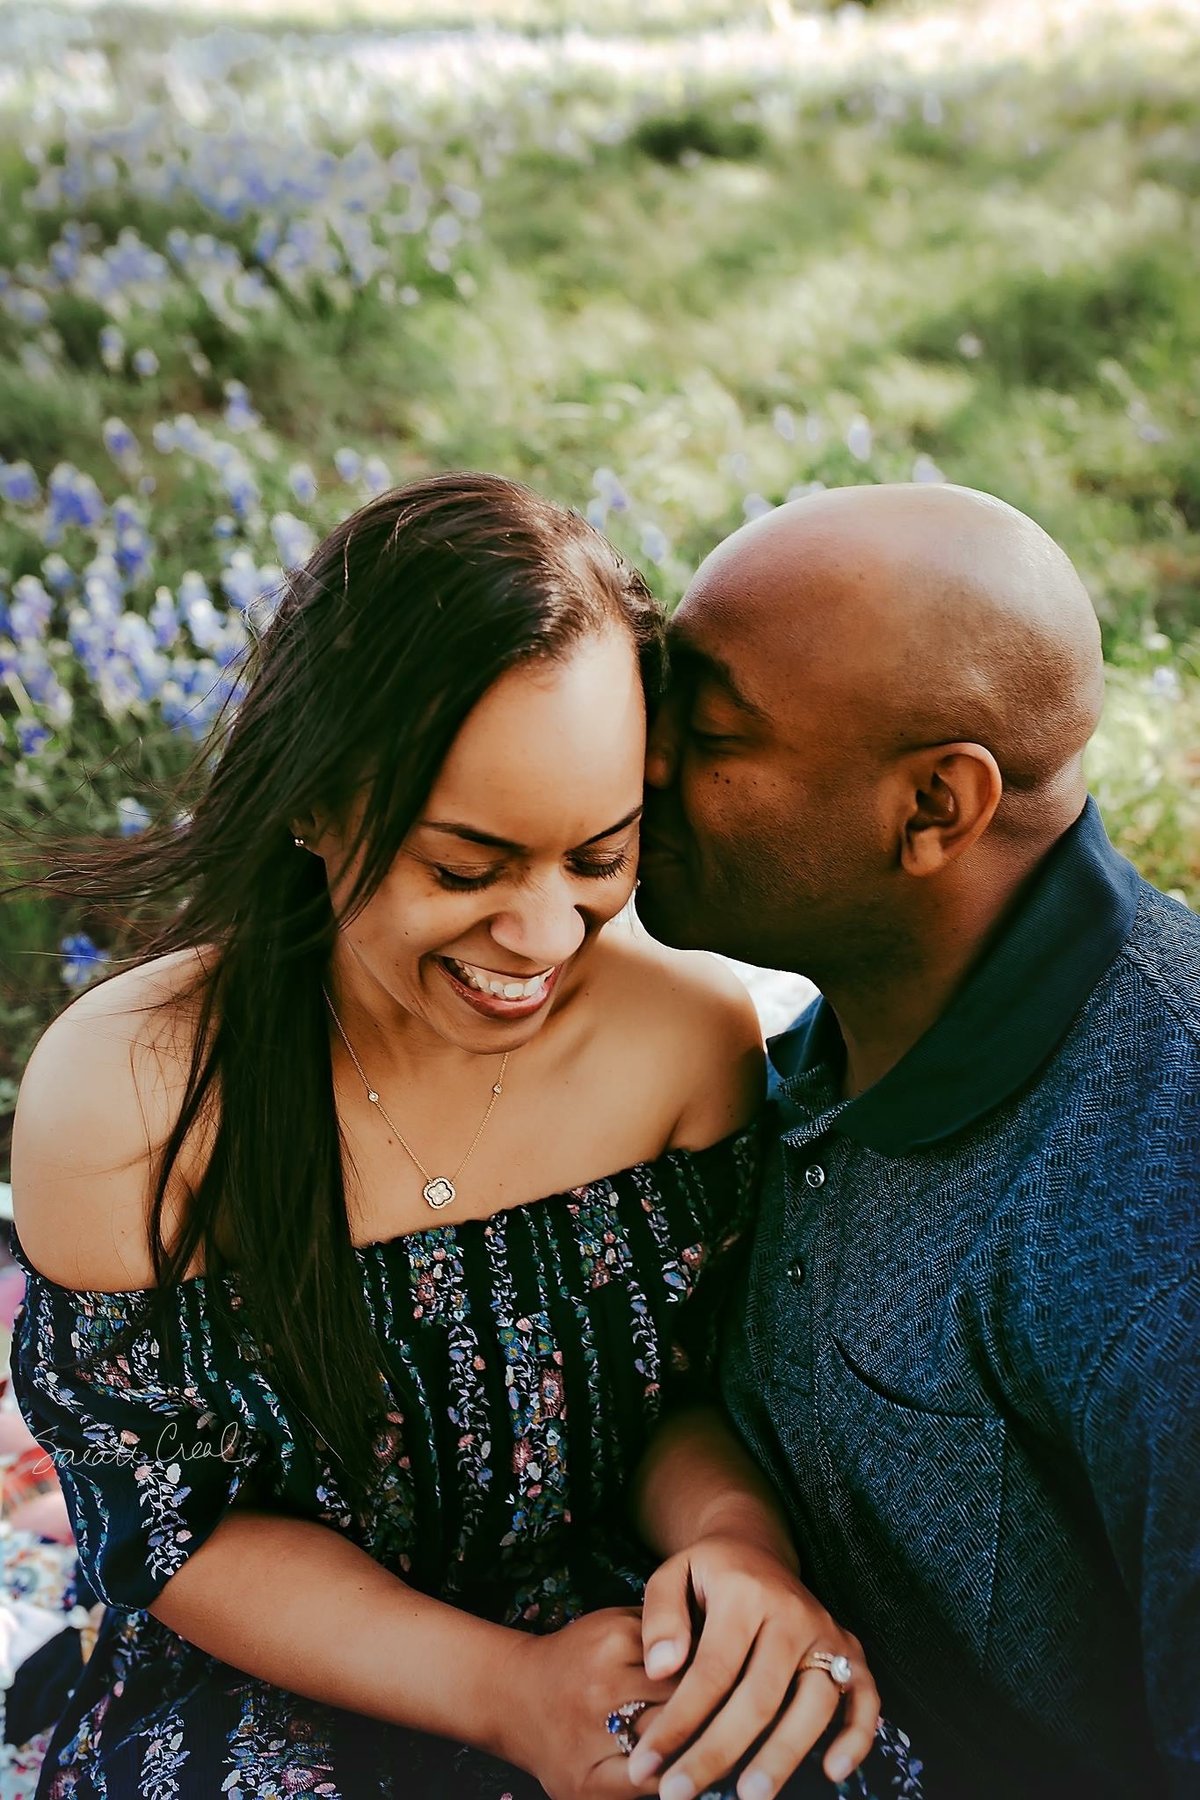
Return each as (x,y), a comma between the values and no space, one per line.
(381,645)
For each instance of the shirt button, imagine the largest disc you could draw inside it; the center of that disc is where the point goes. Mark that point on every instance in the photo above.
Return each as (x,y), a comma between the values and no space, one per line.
(797,1272)
(815,1175)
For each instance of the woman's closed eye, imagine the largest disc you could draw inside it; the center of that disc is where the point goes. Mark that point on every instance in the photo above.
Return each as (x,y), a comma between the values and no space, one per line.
(590,868)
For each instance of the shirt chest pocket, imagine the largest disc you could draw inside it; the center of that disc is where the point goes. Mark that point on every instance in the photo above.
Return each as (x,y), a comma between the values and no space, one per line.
(917,1495)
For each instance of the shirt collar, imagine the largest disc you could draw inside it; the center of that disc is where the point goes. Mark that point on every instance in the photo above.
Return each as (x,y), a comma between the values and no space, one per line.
(1010,1013)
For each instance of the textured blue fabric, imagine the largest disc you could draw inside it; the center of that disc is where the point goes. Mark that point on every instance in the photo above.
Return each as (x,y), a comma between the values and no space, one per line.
(966,1344)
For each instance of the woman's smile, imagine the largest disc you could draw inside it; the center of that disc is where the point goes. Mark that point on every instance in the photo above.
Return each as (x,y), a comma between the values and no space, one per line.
(494,993)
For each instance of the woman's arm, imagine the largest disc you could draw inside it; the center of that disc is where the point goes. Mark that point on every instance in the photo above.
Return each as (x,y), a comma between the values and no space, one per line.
(297,1604)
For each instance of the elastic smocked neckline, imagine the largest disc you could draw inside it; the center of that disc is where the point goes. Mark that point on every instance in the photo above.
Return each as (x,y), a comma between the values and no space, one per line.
(447,1228)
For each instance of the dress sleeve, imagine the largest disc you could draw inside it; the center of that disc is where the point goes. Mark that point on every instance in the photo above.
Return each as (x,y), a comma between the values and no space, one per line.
(148,1465)
(726,1178)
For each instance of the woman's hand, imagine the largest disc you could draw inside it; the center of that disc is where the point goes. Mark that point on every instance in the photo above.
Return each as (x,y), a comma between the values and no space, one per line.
(760,1624)
(565,1686)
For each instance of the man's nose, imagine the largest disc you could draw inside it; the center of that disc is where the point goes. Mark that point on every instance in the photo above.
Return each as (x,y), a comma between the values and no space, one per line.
(662,746)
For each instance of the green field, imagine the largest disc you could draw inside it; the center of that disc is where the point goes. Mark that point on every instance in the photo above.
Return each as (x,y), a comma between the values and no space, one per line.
(674,266)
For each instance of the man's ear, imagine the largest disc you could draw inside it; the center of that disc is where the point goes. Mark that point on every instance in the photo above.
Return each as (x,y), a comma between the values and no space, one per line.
(953,791)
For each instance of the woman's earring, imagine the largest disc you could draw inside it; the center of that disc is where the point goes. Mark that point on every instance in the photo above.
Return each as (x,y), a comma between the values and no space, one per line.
(299,843)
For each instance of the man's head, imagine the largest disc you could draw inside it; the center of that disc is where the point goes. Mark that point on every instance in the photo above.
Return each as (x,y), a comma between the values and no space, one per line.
(880,695)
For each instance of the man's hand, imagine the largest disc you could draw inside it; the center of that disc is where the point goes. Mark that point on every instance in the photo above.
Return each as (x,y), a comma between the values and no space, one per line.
(759,1626)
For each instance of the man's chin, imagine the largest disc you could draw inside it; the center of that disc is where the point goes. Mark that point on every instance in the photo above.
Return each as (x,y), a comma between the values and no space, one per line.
(665,917)
(669,914)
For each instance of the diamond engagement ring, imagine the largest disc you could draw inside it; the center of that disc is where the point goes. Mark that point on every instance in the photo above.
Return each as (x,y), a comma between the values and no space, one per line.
(620,1724)
(839,1669)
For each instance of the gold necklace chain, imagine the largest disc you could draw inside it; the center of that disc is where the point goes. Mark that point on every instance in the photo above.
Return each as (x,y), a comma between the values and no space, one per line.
(439,1190)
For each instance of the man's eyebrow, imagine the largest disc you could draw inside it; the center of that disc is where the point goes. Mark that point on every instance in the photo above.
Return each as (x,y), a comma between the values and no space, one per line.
(454,829)
(694,663)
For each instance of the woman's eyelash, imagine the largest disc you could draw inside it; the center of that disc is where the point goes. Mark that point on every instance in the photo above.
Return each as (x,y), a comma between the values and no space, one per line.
(604,867)
(597,868)
(461,884)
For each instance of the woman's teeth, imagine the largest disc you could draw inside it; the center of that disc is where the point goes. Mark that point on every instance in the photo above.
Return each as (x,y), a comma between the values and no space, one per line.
(484,982)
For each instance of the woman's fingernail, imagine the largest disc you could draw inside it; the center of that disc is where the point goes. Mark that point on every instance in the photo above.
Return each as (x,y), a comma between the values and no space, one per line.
(643,1764)
(758,1786)
(662,1658)
(838,1767)
(676,1786)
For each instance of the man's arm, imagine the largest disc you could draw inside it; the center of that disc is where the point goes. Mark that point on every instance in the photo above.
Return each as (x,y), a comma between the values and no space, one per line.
(1139,1434)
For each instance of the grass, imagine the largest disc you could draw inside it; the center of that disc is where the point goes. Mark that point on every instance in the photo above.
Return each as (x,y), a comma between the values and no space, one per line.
(703,262)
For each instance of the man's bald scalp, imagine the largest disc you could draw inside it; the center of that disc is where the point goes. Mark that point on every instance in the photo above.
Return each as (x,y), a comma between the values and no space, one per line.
(945,614)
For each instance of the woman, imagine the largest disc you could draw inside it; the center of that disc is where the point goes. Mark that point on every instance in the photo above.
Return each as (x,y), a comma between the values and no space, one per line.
(357,1493)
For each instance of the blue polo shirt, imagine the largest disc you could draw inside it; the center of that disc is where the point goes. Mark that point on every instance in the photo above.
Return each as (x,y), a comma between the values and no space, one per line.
(967,1346)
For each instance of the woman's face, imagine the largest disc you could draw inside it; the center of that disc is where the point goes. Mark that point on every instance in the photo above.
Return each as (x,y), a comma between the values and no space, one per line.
(526,846)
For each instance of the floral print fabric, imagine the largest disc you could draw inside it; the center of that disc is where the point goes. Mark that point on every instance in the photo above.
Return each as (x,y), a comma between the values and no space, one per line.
(525,1358)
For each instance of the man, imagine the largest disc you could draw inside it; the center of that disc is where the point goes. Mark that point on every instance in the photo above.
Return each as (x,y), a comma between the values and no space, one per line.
(967,1347)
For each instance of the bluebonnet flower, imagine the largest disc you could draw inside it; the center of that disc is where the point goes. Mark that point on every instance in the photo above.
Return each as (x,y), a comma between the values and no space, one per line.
(74,500)
(31,735)
(784,421)
(1165,683)
(163,436)
(82,959)
(755,505)
(31,608)
(597,513)
(655,543)
(239,414)
(240,486)
(376,475)
(303,483)
(859,437)
(58,573)
(925,469)
(294,540)
(112,347)
(19,484)
(120,442)
(348,463)
(164,620)
(464,200)
(25,305)
(609,488)
(145,362)
(223,526)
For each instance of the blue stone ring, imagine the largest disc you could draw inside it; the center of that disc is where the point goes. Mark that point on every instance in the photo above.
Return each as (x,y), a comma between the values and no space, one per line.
(620,1724)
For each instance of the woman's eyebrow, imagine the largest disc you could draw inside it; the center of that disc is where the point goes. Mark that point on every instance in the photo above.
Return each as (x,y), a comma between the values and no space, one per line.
(489,842)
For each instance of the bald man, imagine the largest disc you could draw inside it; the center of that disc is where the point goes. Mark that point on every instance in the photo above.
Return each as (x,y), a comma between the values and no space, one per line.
(965,1343)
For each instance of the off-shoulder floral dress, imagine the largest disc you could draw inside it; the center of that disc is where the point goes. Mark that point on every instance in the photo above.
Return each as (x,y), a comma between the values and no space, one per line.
(526,1357)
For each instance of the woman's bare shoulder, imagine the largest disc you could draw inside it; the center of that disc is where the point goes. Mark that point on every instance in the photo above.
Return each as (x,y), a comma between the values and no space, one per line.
(98,1098)
(690,1013)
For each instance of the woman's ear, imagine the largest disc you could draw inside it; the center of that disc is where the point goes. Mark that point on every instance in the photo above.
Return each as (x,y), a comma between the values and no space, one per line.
(953,793)
(306,828)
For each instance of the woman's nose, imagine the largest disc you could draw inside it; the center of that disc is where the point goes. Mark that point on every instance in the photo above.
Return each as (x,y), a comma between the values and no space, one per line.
(544,930)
